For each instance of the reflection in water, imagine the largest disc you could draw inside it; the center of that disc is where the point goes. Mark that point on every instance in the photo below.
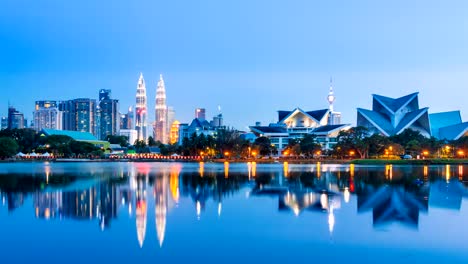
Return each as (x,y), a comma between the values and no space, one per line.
(393,194)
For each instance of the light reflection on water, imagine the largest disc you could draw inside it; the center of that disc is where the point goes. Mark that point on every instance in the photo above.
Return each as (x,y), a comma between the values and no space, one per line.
(272,205)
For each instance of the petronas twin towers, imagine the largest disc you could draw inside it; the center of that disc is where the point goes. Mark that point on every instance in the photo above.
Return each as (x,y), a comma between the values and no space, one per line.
(161,126)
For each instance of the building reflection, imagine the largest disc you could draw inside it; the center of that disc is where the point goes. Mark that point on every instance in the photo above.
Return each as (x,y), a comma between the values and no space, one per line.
(390,194)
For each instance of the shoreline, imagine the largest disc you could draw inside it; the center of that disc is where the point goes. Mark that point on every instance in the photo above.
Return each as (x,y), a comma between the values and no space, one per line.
(265,161)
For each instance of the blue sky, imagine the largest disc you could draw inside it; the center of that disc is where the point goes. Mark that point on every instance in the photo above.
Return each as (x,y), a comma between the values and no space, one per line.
(251,57)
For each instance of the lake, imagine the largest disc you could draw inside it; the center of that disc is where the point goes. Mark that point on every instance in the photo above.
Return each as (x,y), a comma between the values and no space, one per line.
(127,212)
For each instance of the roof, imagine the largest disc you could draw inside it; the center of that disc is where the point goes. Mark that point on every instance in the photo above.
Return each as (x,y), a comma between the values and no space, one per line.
(378,120)
(409,119)
(76,135)
(268,129)
(395,104)
(328,128)
(317,115)
(444,119)
(197,122)
(282,114)
(453,132)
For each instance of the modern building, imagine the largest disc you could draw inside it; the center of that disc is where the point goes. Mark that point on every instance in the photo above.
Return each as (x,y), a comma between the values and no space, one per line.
(126,120)
(109,118)
(141,110)
(448,125)
(4,123)
(174,133)
(171,118)
(391,116)
(79,115)
(161,117)
(200,113)
(295,124)
(47,115)
(15,118)
(131,134)
(197,126)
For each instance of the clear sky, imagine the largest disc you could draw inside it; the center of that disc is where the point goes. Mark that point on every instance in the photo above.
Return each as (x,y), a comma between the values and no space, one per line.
(251,57)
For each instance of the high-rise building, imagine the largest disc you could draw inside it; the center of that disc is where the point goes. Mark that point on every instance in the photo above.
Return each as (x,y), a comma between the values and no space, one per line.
(200,113)
(47,115)
(15,118)
(79,115)
(160,124)
(141,114)
(170,121)
(4,123)
(217,120)
(126,120)
(335,117)
(108,114)
(174,134)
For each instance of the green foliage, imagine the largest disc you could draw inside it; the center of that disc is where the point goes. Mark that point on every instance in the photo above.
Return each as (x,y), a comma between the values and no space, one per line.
(26,138)
(8,147)
(308,145)
(263,146)
(121,140)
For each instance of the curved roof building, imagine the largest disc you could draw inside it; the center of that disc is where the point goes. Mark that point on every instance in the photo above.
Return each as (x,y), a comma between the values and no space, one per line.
(390,116)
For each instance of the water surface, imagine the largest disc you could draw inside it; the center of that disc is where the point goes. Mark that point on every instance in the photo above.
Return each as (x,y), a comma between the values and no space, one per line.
(232,213)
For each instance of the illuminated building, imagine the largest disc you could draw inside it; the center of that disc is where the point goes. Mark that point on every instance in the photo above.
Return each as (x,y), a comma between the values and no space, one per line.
(79,115)
(391,116)
(47,115)
(141,113)
(15,118)
(108,114)
(161,122)
(174,133)
(126,120)
(200,113)
(295,124)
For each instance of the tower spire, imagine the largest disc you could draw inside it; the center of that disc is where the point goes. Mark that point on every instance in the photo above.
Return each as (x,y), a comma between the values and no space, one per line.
(331,96)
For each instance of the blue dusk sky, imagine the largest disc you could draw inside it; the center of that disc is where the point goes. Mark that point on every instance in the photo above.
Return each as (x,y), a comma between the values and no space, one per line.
(250,57)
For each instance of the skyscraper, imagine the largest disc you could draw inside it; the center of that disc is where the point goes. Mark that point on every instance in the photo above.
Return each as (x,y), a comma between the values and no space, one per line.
(141,114)
(160,124)
(47,115)
(126,120)
(79,115)
(200,113)
(15,118)
(108,115)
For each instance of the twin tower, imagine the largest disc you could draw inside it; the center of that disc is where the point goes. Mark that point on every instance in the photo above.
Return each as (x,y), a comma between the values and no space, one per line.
(161,124)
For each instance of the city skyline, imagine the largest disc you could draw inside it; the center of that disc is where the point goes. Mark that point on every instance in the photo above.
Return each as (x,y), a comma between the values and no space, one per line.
(277,57)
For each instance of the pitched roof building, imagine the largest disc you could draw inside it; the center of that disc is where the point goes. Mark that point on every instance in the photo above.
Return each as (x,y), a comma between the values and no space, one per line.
(391,116)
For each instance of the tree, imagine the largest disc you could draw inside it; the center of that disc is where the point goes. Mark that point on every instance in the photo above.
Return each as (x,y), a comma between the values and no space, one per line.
(309,145)
(353,139)
(140,146)
(152,142)
(26,138)
(121,140)
(263,144)
(8,147)
(377,144)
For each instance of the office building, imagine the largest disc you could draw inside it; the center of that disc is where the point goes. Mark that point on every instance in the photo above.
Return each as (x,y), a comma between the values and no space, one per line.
(15,118)
(161,113)
(109,118)
(47,115)
(141,110)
